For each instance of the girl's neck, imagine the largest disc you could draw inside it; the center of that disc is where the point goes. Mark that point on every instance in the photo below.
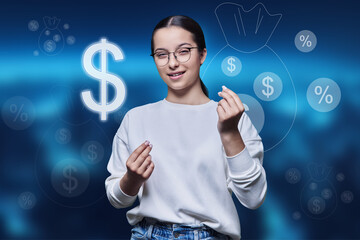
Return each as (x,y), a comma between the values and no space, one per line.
(190,101)
(191,96)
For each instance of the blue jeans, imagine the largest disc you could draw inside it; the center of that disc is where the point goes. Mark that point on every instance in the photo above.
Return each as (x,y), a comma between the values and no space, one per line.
(163,231)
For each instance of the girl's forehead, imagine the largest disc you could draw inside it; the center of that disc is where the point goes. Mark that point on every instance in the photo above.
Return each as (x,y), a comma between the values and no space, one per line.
(172,37)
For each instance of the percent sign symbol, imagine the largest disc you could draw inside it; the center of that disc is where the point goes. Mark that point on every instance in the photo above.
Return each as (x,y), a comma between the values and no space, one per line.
(293,176)
(305,40)
(27,200)
(319,91)
(23,116)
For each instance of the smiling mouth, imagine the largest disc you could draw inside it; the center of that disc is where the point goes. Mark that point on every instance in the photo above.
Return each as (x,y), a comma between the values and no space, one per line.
(176,74)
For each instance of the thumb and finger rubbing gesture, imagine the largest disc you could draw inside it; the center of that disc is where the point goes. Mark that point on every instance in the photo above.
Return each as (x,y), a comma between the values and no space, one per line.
(139,164)
(229,109)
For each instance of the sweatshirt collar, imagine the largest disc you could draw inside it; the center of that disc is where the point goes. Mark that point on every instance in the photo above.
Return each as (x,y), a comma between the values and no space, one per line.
(186,106)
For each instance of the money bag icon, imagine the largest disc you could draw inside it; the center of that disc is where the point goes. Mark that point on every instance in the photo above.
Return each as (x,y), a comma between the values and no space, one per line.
(318,199)
(246,34)
(51,39)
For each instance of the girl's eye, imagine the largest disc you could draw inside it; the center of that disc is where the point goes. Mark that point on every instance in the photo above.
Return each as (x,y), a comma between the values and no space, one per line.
(184,51)
(161,55)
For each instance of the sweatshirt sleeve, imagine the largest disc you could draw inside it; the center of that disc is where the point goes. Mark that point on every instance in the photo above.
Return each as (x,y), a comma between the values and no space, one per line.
(117,168)
(246,176)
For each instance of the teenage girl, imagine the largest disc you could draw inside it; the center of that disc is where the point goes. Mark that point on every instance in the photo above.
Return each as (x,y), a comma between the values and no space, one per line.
(202,151)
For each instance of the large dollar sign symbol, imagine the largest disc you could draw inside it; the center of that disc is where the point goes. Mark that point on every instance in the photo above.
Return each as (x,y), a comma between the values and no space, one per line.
(269,89)
(232,66)
(103,47)
(72,181)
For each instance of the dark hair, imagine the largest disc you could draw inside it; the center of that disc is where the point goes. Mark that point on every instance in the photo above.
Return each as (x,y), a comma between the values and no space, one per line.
(188,24)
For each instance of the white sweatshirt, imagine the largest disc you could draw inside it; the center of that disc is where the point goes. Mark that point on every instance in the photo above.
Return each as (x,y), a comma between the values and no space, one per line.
(193,178)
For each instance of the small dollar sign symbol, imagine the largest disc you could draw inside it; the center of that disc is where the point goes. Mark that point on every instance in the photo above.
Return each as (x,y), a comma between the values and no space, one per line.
(49,46)
(103,47)
(73,182)
(316,206)
(63,135)
(232,66)
(326,193)
(269,89)
(92,149)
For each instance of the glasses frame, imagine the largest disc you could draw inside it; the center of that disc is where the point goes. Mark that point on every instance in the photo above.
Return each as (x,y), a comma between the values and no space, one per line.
(168,58)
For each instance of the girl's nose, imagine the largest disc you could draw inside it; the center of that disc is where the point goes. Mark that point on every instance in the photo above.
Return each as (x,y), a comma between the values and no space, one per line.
(173,62)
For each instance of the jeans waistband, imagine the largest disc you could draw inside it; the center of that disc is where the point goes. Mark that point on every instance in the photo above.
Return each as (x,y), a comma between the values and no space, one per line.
(169,230)
(171,226)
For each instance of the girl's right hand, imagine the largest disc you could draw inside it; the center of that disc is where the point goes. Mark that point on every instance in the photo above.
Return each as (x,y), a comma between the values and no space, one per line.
(139,169)
(139,164)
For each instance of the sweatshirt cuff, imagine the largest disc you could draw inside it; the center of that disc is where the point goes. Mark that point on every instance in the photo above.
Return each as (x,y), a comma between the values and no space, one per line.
(240,163)
(123,197)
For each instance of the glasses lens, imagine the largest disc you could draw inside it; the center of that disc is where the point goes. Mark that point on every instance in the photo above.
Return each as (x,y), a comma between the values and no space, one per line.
(183,54)
(161,58)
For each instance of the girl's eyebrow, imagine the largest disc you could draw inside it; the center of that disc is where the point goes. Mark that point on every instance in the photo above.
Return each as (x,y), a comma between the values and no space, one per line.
(180,45)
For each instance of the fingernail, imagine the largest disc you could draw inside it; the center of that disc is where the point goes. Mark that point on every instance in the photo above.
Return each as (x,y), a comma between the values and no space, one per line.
(219,93)
(224,87)
(147,142)
(150,145)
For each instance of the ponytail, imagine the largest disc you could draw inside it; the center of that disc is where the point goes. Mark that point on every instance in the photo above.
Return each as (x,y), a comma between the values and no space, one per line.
(203,87)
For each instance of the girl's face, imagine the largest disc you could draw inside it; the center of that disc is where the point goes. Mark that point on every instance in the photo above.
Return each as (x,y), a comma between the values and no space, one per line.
(170,39)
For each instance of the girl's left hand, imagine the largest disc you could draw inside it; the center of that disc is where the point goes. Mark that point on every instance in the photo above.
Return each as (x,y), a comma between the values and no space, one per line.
(229,109)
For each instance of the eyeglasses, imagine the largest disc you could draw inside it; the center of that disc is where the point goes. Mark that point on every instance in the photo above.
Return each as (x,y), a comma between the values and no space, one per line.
(182,55)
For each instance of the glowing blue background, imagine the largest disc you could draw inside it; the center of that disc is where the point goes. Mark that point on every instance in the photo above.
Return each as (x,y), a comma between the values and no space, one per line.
(330,138)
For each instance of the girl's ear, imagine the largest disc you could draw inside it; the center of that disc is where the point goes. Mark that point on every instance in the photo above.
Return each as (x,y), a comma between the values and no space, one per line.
(203,56)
